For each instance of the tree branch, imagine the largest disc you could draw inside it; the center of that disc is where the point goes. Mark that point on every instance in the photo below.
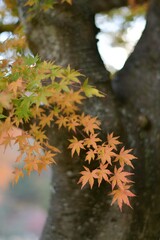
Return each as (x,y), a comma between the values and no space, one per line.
(107,5)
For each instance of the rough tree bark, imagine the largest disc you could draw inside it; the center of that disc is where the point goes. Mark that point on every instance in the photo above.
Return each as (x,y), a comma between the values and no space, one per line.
(131,109)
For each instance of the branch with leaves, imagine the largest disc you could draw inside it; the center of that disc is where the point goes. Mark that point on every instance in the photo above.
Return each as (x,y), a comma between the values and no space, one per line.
(25,97)
(39,94)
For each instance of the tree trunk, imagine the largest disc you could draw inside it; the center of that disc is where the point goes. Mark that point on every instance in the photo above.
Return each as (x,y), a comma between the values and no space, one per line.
(67,35)
(138,86)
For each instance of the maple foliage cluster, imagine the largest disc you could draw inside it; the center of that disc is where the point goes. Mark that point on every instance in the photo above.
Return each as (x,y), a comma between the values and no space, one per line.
(39,94)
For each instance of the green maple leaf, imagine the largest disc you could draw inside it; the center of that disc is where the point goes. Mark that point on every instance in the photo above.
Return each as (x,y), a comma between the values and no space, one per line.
(90,91)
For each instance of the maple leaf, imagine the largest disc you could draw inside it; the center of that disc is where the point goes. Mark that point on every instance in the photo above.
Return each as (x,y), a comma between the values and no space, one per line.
(22,139)
(112,141)
(41,97)
(76,96)
(90,155)
(31,163)
(125,158)
(53,148)
(90,91)
(87,177)
(2,116)
(37,133)
(41,166)
(6,126)
(92,141)
(47,158)
(37,111)
(17,174)
(121,196)
(62,121)
(46,120)
(73,123)
(90,124)
(103,173)
(17,121)
(76,145)
(119,178)
(22,107)
(15,86)
(35,147)
(105,154)
(7,141)
(5,100)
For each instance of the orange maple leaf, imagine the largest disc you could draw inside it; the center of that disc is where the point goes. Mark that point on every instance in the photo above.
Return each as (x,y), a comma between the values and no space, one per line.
(73,123)
(87,177)
(5,100)
(62,121)
(121,196)
(37,133)
(112,141)
(47,158)
(90,155)
(92,141)
(89,123)
(31,164)
(119,178)
(7,141)
(52,148)
(37,111)
(41,166)
(125,158)
(15,86)
(35,148)
(22,139)
(17,174)
(76,145)
(103,173)
(105,154)
(46,120)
